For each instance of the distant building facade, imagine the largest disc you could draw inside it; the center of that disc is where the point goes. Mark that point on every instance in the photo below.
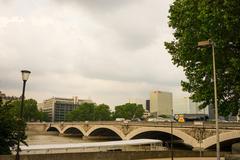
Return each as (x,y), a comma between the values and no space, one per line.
(57,108)
(148,105)
(160,103)
(4,97)
(186,106)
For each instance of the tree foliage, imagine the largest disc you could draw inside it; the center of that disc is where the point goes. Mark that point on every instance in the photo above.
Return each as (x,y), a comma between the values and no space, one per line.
(129,111)
(30,111)
(10,126)
(218,20)
(43,116)
(90,112)
(84,112)
(102,113)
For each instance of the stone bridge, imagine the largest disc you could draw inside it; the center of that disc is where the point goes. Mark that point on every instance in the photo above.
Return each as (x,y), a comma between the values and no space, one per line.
(194,136)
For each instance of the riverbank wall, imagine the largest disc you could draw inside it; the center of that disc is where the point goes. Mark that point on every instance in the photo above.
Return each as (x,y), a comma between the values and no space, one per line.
(112,155)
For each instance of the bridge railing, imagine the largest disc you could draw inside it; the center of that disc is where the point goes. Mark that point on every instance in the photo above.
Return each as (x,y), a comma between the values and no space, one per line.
(207,125)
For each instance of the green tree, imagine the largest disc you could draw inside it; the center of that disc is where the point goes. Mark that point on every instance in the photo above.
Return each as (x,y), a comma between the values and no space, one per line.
(102,112)
(84,112)
(10,126)
(30,111)
(43,116)
(129,111)
(218,20)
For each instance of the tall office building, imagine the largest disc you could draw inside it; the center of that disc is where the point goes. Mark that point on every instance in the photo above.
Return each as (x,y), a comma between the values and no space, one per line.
(148,105)
(57,108)
(186,106)
(160,103)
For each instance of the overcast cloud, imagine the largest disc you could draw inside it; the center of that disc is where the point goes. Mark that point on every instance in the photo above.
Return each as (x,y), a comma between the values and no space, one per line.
(105,50)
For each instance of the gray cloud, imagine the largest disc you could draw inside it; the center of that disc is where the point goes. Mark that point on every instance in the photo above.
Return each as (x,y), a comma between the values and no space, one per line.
(103,49)
(135,22)
(98,5)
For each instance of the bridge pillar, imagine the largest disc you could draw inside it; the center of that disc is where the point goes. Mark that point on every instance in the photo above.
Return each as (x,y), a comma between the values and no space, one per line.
(85,137)
(198,149)
(61,134)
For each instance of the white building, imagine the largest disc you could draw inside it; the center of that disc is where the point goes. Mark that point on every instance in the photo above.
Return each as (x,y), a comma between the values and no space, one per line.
(160,103)
(186,106)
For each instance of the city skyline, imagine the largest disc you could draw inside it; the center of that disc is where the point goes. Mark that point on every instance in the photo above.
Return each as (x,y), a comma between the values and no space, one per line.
(107,51)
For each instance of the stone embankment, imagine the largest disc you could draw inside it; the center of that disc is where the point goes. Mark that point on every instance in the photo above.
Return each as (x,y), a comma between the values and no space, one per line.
(115,155)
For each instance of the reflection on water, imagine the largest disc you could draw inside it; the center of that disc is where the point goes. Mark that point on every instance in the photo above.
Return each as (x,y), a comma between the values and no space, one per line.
(34,138)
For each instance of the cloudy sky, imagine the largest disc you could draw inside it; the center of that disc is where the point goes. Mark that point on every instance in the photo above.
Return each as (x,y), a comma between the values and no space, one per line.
(106,50)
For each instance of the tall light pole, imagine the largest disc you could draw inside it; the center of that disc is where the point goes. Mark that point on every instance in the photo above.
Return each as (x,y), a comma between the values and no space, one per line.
(172,135)
(25,75)
(208,43)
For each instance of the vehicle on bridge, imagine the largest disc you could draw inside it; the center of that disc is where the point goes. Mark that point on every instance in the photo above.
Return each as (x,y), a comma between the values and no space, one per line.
(120,119)
(160,119)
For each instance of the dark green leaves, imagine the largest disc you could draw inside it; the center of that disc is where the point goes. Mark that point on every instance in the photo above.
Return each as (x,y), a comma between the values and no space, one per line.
(10,126)
(30,110)
(197,20)
(90,112)
(129,111)
(93,112)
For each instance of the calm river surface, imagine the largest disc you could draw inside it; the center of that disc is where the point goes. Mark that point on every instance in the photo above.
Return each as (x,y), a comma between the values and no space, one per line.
(35,138)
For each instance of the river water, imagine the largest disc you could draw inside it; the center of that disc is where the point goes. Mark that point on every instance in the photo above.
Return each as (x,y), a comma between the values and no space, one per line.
(53,138)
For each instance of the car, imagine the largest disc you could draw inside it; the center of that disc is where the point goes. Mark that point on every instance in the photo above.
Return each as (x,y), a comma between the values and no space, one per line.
(160,119)
(120,119)
(151,119)
(136,120)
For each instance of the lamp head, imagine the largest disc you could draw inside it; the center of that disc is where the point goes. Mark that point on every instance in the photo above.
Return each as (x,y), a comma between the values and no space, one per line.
(204,43)
(25,75)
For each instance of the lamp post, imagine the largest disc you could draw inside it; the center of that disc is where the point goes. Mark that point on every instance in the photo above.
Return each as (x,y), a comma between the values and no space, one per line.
(199,131)
(172,135)
(208,43)
(25,75)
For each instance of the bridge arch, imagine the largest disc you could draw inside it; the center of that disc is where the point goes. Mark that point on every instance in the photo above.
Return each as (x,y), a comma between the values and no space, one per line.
(80,129)
(53,128)
(180,134)
(112,128)
(210,141)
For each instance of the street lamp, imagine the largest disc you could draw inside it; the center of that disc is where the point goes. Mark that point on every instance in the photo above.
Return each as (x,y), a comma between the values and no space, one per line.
(172,135)
(208,43)
(25,75)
